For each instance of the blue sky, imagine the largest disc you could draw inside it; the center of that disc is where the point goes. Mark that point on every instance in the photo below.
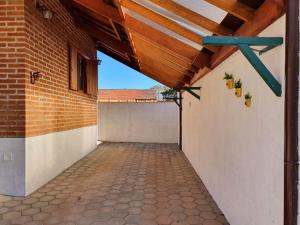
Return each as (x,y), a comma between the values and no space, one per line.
(115,75)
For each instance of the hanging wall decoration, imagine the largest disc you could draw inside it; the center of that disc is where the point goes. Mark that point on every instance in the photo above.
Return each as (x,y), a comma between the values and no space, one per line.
(248,100)
(238,88)
(229,80)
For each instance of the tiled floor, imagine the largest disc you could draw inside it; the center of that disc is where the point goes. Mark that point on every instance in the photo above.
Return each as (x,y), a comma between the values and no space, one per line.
(119,183)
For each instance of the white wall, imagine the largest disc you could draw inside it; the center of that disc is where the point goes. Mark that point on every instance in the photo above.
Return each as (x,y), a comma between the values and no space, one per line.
(36,160)
(237,151)
(12,166)
(138,122)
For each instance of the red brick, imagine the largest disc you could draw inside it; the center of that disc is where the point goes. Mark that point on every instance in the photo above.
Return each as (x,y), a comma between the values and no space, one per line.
(31,45)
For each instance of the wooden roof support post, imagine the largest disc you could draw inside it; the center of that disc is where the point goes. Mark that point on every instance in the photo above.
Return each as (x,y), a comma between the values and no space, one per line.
(291,133)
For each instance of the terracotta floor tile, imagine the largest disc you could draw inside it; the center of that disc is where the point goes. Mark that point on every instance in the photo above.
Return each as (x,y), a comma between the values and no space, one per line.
(119,184)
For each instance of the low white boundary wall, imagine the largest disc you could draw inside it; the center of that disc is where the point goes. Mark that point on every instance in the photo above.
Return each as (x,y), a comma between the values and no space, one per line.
(33,161)
(138,122)
(239,152)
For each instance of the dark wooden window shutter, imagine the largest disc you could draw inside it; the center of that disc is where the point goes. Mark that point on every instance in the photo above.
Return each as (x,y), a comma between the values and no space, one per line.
(73,69)
(92,77)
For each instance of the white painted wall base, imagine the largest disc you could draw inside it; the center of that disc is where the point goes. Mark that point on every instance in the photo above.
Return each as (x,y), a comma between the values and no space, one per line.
(138,122)
(46,157)
(239,152)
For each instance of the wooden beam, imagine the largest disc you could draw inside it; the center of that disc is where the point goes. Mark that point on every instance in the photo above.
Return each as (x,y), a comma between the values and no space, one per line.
(201,60)
(160,38)
(202,72)
(165,22)
(193,17)
(235,8)
(269,11)
(99,7)
(105,38)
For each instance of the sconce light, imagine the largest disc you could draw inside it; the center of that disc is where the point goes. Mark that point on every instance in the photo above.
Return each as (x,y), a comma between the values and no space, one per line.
(34,76)
(47,13)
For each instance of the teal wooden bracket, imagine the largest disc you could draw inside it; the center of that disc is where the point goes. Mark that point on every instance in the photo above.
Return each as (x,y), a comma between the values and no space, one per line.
(190,90)
(244,44)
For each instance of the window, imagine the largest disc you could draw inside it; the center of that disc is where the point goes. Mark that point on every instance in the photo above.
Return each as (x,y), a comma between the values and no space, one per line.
(83,74)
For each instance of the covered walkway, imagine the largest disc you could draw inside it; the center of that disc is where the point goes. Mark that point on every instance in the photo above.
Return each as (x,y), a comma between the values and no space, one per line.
(119,183)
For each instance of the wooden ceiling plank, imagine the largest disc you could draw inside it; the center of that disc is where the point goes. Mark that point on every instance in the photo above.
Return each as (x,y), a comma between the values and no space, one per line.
(99,7)
(160,38)
(157,73)
(179,58)
(164,61)
(193,17)
(165,22)
(161,72)
(148,72)
(155,50)
(173,73)
(235,8)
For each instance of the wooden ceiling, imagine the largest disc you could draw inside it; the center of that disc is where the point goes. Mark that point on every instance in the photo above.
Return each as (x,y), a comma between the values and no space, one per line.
(158,55)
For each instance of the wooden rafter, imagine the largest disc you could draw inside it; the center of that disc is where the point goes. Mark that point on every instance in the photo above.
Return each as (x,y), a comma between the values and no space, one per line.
(165,22)
(235,8)
(100,8)
(193,17)
(105,38)
(201,60)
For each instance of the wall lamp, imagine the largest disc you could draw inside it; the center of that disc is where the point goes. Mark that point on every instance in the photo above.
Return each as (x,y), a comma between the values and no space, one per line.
(47,13)
(34,76)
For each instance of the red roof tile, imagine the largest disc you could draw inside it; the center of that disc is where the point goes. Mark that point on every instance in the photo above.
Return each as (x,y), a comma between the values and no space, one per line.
(126,95)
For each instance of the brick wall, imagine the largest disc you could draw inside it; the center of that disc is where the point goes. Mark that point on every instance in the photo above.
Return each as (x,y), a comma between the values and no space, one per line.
(49,104)
(12,76)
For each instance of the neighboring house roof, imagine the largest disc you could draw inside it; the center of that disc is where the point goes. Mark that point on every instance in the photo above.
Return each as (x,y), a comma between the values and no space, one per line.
(127,95)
